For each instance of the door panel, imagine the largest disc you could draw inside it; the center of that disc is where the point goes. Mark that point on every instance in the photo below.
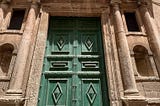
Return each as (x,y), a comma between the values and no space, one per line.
(57,92)
(89,42)
(91,91)
(73,72)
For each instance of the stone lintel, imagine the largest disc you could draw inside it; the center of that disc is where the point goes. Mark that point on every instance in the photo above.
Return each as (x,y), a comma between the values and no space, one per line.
(75,9)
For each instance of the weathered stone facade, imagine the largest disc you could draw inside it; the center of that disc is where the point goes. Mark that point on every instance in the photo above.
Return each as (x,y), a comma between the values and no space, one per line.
(128,54)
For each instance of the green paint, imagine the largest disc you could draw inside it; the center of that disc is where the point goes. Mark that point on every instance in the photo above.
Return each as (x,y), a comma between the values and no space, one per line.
(73,72)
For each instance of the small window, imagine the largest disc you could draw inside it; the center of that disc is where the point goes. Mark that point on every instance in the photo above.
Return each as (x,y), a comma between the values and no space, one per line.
(16,19)
(131,22)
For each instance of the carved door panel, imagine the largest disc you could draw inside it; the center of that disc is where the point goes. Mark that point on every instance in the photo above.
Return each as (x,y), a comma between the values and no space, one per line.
(73,72)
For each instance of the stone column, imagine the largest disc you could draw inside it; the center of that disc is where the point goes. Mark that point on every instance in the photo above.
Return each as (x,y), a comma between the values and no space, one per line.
(152,32)
(3,7)
(1,14)
(23,52)
(124,54)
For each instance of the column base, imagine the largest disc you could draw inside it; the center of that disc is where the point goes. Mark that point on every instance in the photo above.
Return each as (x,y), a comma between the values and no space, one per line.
(134,101)
(131,92)
(10,100)
(13,92)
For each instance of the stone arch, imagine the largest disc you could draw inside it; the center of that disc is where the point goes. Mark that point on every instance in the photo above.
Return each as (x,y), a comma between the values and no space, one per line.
(15,45)
(142,60)
(6,53)
(142,44)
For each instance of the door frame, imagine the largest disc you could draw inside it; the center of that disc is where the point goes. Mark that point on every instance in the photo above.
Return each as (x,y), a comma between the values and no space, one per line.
(113,75)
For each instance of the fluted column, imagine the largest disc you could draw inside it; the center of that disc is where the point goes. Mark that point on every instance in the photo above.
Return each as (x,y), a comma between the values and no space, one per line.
(23,52)
(152,31)
(124,54)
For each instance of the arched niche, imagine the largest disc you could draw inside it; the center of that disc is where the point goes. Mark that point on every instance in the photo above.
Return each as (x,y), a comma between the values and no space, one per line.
(6,53)
(142,60)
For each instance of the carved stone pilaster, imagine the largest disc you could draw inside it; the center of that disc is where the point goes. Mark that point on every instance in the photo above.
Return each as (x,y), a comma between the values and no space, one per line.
(124,54)
(23,52)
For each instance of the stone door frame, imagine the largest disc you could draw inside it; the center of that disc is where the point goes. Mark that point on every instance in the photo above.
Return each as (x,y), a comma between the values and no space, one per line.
(115,88)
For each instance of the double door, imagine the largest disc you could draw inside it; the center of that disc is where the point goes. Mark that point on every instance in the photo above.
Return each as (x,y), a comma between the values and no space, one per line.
(73,71)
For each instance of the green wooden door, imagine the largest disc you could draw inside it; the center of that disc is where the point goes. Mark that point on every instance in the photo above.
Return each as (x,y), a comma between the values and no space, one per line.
(73,72)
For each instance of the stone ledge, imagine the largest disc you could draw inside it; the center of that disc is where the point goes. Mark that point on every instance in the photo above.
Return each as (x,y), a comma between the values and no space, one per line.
(153,100)
(133,98)
(134,101)
(148,79)
(136,34)
(11,100)
(140,100)
(19,32)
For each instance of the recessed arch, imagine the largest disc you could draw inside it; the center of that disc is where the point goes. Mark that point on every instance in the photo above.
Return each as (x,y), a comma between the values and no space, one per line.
(141,44)
(6,53)
(143,64)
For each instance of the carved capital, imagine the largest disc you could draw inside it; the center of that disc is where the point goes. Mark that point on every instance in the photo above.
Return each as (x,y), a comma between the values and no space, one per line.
(113,2)
(35,4)
(5,1)
(142,2)
(4,4)
(31,1)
